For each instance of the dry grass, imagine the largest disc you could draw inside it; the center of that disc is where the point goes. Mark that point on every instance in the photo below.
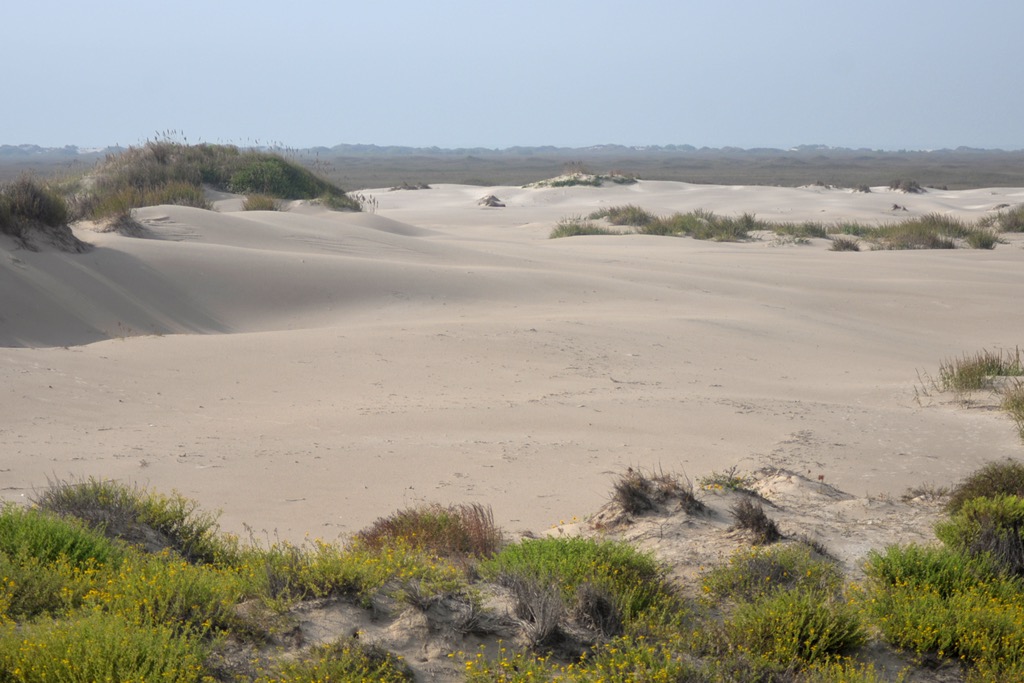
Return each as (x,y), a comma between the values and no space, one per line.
(452,531)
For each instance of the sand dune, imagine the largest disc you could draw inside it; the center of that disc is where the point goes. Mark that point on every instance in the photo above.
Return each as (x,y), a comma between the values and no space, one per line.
(309,371)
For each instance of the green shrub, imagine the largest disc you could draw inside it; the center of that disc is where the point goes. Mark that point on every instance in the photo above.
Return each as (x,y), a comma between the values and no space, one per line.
(757,572)
(158,590)
(938,601)
(452,531)
(992,527)
(283,572)
(29,533)
(634,579)
(1001,478)
(99,646)
(705,225)
(152,520)
(344,660)
(728,480)
(163,172)
(795,626)
(576,225)
(805,230)
(933,231)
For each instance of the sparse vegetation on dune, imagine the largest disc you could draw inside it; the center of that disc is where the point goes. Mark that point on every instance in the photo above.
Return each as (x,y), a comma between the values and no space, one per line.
(81,598)
(931,231)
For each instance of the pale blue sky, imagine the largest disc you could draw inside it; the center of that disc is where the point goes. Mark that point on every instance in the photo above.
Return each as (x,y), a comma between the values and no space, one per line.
(884,74)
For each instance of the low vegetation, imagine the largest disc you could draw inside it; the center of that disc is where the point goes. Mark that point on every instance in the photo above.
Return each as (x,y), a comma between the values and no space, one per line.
(30,208)
(102,581)
(931,231)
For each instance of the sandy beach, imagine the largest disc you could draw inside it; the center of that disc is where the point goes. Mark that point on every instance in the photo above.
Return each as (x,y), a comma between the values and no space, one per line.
(308,371)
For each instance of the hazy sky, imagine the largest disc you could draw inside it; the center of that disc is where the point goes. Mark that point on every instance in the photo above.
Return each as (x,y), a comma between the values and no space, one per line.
(884,74)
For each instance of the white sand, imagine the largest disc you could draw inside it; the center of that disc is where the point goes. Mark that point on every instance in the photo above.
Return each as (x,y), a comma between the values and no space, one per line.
(308,371)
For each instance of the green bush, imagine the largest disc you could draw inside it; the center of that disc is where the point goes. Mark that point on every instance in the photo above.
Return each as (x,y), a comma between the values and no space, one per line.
(634,579)
(940,602)
(37,534)
(1013,403)
(795,626)
(99,646)
(27,202)
(153,520)
(1002,478)
(992,527)
(344,660)
(163,172)
(757,572)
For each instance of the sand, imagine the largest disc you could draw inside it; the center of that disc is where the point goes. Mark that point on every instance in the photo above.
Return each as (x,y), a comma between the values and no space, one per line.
(306,371)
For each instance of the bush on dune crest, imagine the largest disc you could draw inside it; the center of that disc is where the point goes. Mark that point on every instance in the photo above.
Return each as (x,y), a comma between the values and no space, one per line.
(164,172)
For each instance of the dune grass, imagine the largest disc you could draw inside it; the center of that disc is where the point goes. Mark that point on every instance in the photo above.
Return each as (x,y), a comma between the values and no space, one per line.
(931,231)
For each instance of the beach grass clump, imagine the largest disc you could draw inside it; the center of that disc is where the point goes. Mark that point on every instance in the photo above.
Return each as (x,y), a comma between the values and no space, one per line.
(975,372)
(753,573)
(981,238)
(627,214)
(705,225)
(907,186)
(638,492)
(151,520)
(841,243)
(261,202)
(451,531)
(800,231)
(573,226)
(932,231)
(1011,220)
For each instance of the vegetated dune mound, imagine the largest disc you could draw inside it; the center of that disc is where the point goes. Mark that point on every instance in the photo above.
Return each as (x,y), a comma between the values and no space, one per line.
(306,365)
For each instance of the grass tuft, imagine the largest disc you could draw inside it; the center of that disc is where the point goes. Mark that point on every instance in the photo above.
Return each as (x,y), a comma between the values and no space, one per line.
(628,214)
(452,531)
(261,202)
(639,492)
(574,226)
